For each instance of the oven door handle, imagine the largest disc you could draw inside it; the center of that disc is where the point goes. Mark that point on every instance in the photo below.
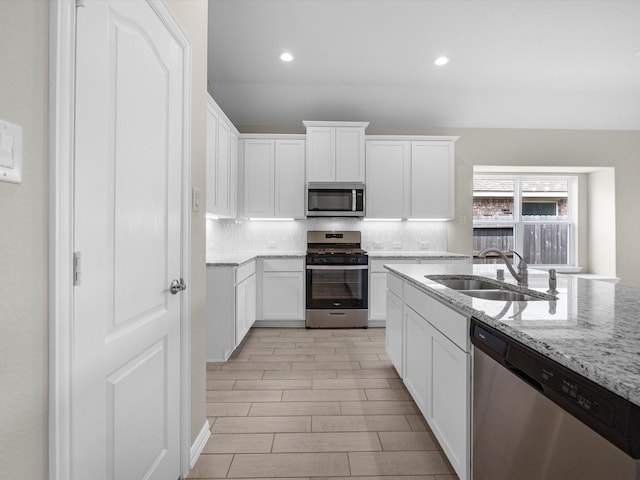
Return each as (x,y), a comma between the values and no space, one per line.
(337,267)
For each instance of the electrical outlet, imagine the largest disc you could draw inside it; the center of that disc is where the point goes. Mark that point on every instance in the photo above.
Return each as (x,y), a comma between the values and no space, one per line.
(271,244)
(377,244)
(397,245)
(424,245)
(463,220)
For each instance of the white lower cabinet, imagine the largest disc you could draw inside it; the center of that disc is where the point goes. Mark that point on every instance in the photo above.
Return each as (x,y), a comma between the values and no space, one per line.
(417,358)
(433,342)
(282,289)
(378,281)
(245,307)
(448,407)
(231,308)
(394,341)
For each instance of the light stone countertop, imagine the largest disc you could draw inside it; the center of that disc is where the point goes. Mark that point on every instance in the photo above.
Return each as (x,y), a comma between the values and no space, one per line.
(593,328)
(239,258)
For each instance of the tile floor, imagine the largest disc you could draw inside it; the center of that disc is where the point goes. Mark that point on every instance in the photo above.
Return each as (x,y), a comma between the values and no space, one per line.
(308,404)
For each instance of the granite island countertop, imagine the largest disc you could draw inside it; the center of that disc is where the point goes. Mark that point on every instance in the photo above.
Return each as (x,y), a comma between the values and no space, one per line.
(593,328)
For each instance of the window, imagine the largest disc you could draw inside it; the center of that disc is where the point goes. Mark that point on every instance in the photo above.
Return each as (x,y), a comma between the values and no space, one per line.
(532,215)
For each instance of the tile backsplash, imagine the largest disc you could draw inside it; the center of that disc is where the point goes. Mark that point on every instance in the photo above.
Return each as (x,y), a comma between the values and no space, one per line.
(225,236)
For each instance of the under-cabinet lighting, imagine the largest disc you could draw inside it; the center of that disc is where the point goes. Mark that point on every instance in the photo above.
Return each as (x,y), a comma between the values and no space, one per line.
(211,216)
(426,219)
(382,219)
(271,219)
(440,61)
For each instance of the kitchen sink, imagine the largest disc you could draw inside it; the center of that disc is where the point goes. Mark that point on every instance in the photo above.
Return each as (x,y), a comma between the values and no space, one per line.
(502,295)
(480,287)
(465,283)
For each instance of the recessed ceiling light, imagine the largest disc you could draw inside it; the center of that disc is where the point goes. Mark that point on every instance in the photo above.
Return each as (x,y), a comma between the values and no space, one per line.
(441,61)
(286,57)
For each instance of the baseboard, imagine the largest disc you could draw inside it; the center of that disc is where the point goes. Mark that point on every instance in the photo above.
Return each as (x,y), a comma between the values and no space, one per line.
(279,323)
(199,443)
(377,323)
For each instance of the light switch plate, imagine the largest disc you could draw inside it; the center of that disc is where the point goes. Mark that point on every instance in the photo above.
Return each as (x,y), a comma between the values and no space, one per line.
(195,200)
(10,152)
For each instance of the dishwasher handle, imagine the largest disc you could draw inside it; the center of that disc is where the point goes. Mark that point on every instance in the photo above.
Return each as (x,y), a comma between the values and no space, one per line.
(524,376)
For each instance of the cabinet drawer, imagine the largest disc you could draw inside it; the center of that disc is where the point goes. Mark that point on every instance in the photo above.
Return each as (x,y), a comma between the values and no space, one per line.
(245,271)
(394,284)
(282,265)
(453,325)
(378,265)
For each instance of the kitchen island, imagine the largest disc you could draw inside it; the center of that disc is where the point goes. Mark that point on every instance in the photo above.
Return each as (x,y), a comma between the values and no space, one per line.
(593,328)
(590,327)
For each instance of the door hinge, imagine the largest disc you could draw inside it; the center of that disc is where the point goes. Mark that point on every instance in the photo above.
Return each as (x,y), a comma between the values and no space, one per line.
(77,268)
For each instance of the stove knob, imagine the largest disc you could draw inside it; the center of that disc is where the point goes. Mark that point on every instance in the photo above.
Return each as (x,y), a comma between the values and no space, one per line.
(319,260)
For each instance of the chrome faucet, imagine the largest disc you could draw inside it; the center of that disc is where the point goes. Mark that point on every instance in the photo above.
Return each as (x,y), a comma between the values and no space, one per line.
(552,282)
(522,275)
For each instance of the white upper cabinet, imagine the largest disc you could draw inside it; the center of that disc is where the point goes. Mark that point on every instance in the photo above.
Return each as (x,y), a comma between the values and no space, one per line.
(289,179)
(259,165)
(335,151)
(388,187)
(274,177)
(432,179)
(410,178)
(221,162)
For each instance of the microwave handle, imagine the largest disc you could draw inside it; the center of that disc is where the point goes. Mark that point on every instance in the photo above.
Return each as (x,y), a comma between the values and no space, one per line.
(353,200)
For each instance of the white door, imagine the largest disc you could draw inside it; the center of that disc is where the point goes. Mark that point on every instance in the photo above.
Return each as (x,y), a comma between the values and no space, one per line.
(126,327)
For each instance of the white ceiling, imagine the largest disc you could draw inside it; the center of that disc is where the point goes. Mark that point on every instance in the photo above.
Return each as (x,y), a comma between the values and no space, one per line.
(515,63)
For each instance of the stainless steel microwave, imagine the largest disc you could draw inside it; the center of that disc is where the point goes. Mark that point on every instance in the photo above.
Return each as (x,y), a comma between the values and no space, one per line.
(335,199)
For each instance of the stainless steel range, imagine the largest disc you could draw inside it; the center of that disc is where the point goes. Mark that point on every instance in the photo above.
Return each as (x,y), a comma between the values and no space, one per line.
(337,280)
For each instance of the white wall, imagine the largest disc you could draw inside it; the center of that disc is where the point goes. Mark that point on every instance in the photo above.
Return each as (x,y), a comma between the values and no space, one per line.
(602,225)
(24,214)
(192,17)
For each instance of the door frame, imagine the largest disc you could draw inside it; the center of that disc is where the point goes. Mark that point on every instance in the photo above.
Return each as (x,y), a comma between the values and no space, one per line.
(62,40)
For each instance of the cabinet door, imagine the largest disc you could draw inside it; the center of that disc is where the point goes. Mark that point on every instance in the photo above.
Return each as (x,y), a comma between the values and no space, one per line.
(393,332)
(289,179)
(250,299)
(349,154)
(283,296)
(449,406)
(387,182)
(417,356)
(212,150)
(377,296)
(432,179)
(258,178)
(321,154)
(245,307)
(223,175)
(241,311)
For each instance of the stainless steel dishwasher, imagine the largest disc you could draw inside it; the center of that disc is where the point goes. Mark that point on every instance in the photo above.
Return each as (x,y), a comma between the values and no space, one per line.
(535,419)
